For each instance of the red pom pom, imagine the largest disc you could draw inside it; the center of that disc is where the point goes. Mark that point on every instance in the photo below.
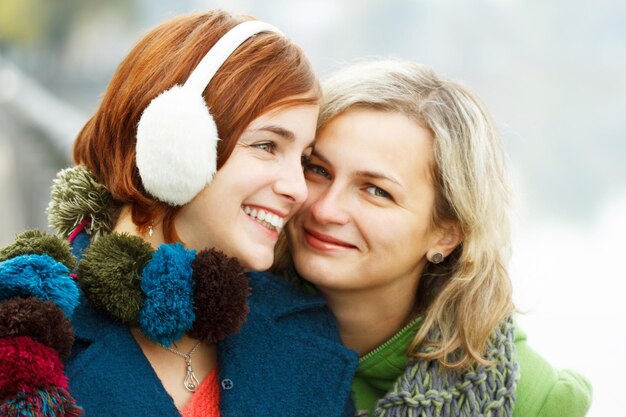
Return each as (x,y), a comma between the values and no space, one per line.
(27,365)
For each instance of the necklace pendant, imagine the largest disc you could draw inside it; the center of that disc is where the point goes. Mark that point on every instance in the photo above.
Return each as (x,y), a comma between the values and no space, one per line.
(191,382)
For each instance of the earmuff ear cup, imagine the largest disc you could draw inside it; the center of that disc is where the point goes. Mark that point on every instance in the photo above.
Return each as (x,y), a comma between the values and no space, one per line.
(176,146)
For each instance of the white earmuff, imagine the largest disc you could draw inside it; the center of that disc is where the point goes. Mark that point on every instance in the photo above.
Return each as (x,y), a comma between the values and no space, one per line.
(176,150)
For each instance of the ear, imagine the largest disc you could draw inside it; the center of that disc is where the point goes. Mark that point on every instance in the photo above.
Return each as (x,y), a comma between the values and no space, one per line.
(446,239)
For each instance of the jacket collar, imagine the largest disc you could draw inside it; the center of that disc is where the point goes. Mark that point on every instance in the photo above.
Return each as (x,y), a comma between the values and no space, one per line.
(290,299)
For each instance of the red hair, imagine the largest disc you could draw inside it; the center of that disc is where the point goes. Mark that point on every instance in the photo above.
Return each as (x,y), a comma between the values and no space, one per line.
(265,72)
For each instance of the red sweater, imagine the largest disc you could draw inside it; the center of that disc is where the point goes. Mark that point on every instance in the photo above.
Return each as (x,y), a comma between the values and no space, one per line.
(206,401)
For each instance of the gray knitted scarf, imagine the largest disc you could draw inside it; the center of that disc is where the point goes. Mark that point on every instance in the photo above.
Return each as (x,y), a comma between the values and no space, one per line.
(426,389)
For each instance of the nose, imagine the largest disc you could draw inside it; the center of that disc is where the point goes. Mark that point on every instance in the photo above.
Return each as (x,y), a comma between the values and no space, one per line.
(328,206)
(291,183)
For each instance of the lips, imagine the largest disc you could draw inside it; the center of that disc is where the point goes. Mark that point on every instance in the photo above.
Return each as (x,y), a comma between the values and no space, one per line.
(325,242)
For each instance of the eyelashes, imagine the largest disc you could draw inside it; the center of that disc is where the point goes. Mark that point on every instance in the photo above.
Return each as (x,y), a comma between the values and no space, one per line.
(377,192)
(269,147)
(315,169)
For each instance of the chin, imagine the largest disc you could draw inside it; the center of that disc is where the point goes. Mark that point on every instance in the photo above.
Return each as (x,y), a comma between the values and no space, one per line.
(257,264)
(326,275)
(314,272)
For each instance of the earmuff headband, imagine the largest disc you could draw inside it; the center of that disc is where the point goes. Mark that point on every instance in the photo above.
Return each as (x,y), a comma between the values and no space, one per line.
(223,48)
(176,150)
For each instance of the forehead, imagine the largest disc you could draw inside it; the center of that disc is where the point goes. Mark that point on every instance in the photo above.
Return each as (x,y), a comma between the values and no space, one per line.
(288,114)
(295,122)
(377,140)
(308,101)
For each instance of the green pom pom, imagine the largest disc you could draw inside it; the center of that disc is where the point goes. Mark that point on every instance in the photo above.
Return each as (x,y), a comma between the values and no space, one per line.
(77,194)
(39,243)
(110,274)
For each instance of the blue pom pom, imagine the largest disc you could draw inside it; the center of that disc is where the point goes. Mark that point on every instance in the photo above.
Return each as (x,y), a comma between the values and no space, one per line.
(38,276)
(167,283)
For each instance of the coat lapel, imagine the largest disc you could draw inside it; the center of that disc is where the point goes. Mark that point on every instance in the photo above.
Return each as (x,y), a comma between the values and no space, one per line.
(108,372)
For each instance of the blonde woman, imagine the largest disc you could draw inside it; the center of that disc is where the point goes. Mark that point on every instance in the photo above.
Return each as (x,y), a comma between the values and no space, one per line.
(405,233)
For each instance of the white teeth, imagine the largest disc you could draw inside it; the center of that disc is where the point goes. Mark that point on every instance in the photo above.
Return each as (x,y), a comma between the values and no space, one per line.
(277,222)
(265,217)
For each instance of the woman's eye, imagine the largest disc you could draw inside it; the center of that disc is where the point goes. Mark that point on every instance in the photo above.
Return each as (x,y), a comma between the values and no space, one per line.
(315,169)
(269,147)
(377,192)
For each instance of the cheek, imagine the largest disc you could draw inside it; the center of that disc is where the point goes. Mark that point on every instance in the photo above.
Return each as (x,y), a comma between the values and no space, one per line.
(243,171)
(244,184)
(304,209)
(315,194)
(294,226)
(413,245)
(205,202)
(390,235)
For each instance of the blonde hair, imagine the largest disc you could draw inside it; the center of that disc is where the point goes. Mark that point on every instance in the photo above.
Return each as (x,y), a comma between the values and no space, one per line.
(468,295)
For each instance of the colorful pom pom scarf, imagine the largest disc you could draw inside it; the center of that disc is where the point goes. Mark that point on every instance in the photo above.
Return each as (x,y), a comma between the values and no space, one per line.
(165,293)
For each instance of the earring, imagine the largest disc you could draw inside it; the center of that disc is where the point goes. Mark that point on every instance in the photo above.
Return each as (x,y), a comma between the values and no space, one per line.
(150,230)
(437,258)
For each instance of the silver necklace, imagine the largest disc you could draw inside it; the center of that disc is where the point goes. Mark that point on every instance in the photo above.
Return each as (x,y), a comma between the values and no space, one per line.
(191,382)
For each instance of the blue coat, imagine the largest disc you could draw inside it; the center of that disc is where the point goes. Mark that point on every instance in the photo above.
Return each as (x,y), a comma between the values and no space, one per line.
(287,360)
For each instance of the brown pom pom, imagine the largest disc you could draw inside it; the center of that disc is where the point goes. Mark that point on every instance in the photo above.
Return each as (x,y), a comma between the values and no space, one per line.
(40,320)
(220,296)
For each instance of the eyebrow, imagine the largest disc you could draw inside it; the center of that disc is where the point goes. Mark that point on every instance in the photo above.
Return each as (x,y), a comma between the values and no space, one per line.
(366,173)
(377,176)
(287,134)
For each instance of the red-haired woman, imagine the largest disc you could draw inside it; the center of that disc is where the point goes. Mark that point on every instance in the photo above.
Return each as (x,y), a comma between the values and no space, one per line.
(192,159)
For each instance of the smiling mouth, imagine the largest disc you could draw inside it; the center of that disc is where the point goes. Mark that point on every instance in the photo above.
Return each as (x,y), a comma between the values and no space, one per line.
(325,242)
(270,220)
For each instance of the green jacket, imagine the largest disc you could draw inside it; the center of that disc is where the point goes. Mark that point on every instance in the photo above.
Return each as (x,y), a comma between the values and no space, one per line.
(542,391)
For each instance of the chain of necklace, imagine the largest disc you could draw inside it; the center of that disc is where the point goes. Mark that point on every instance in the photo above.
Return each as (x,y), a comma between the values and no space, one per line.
(191,382)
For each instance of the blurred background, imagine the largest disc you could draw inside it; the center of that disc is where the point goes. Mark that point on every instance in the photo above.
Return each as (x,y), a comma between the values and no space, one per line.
(553,74)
